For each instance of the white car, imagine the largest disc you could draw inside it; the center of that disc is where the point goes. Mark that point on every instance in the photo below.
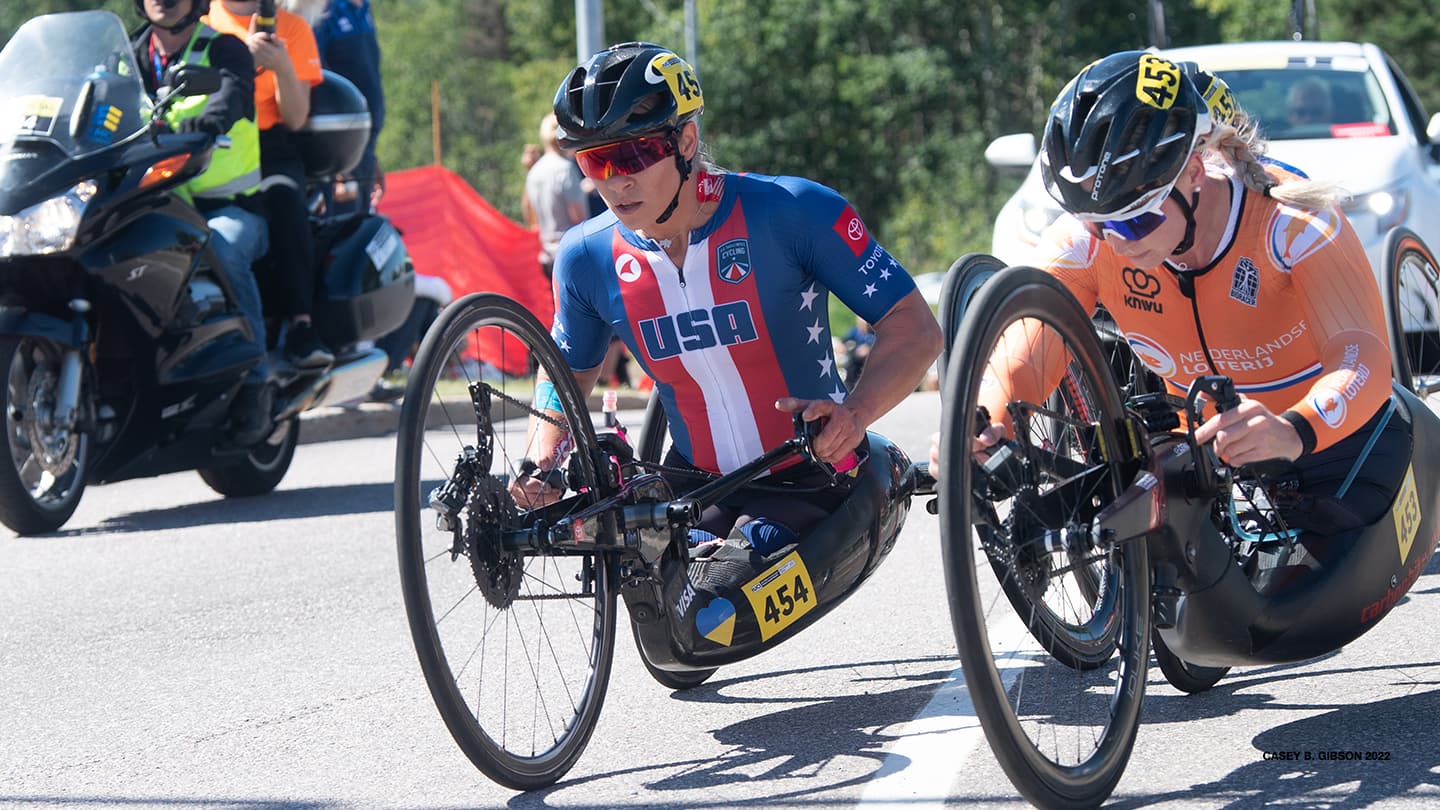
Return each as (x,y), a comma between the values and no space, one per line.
(1373,138)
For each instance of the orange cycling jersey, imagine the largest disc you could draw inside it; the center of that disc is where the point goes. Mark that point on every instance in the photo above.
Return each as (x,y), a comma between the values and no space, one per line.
(1288,309)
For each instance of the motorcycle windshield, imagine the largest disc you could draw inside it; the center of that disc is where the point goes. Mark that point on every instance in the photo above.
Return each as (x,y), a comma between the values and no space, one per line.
(69,86)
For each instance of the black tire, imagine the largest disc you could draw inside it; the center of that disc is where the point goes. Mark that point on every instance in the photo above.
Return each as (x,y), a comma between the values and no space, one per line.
(1187,677)
(260,470)
(959,286)
(649,449)
(1411,291)
(516,647)
(40,487)
(1062,733)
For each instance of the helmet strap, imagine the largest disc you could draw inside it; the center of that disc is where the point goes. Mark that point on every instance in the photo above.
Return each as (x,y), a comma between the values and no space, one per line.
(684,164)
(1187,207)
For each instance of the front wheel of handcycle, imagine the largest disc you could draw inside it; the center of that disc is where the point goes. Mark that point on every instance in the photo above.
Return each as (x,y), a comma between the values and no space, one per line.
(1051,622)
(1411,292)
(515,641)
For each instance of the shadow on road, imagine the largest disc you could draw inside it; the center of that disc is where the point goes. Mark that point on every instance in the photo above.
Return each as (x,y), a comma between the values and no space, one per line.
(1394,731)
(762,748)
(350,499)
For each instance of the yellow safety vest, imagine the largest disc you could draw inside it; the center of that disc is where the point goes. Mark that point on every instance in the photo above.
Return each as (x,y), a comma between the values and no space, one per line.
(234,171)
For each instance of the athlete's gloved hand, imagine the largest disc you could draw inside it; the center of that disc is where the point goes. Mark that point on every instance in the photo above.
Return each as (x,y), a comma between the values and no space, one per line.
(842,432)
(1249,433)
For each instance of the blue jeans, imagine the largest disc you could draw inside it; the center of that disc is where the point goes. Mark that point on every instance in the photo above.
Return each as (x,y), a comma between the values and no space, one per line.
(239,238)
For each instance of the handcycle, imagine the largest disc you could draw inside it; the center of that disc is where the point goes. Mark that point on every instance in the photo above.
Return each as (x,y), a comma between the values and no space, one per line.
(1103,529)
(513,610)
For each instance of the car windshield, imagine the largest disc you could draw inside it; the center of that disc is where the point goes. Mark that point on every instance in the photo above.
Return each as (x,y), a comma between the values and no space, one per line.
(68,87)
(1313,98)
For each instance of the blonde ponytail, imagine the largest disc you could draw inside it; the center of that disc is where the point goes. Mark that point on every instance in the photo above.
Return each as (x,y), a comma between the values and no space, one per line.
(1239,144)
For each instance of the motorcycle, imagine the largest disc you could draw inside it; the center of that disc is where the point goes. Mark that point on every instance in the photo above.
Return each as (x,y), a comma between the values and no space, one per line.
(121,345)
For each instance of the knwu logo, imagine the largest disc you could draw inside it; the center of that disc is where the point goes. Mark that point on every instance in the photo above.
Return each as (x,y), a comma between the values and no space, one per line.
(723,325)
(1141,288)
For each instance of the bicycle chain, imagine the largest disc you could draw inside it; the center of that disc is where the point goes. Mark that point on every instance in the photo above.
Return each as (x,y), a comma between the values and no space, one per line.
(521,404)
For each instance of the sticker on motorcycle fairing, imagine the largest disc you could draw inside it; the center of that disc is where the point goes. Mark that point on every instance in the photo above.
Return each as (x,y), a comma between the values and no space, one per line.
(1159,82)
(32,115)
(104,123)
(382,246)
(781,595)
(716,621)
(1407,514)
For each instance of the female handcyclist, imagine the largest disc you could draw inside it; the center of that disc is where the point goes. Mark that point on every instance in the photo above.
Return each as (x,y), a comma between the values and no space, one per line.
(1214,261)
(717,283)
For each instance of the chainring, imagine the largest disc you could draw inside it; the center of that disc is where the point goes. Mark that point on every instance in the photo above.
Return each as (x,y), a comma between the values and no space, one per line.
(490,511)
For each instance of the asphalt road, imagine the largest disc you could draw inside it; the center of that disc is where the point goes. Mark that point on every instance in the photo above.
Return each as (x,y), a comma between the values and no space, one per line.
(172,649)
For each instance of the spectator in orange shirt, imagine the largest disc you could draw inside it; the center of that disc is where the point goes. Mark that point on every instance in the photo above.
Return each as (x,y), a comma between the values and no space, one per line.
(287,66)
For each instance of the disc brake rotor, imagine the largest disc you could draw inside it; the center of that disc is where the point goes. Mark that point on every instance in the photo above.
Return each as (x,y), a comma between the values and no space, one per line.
(491,511)
(53,449)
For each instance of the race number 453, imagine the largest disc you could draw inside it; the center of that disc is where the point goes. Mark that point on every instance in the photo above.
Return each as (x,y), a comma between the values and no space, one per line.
(1158,83)
(781,595)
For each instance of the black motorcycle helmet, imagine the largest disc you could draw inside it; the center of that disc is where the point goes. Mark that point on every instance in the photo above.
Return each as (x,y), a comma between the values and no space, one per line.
(1120,133)
(198,9)
(623,92)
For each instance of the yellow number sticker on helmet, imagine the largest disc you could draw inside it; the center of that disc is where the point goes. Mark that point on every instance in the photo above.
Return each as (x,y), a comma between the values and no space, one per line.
(681,78)
(1159,82)
(1219,100)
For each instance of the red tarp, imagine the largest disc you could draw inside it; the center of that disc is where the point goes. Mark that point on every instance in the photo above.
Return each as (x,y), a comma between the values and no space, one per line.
(450,231)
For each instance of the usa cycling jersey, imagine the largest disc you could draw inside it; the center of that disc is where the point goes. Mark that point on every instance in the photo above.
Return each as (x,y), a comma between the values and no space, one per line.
(743,323)
(1288,308)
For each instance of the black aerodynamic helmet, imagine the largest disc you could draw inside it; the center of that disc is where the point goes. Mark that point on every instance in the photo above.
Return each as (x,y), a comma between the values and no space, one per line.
(623,92)
(1120,133)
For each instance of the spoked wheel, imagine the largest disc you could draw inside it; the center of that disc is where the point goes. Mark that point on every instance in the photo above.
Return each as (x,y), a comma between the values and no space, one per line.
(515,645)
(1130,374)
(43,475)
(1052,624)
(651,448)
(1412,311)
(1181,674)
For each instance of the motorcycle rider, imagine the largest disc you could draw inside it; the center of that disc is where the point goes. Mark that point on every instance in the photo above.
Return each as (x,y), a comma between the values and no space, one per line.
(173,34)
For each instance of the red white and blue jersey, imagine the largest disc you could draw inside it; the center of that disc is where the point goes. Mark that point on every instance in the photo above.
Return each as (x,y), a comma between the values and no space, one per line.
(745,323)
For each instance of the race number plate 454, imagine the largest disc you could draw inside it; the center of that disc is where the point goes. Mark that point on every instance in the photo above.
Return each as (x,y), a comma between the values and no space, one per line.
(781,595)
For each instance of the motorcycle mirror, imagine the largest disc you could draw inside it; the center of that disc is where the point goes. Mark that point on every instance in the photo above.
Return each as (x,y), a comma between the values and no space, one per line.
(190,80)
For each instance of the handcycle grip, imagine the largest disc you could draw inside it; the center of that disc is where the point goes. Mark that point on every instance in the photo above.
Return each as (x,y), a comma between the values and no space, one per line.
(1220,389)
(809,431)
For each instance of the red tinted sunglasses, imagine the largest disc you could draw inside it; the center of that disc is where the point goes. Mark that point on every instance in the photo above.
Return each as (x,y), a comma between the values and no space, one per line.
(625,157)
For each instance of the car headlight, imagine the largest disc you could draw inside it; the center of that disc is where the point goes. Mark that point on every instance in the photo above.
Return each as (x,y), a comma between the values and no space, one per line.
(1390,207)
(46,227)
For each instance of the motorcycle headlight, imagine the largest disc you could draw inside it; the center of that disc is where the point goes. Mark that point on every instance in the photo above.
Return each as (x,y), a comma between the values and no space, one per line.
(46,227)
(1390,207)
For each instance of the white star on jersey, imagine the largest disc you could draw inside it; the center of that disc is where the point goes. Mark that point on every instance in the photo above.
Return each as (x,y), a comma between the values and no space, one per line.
(814,332)
(809,297)
(825,365)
